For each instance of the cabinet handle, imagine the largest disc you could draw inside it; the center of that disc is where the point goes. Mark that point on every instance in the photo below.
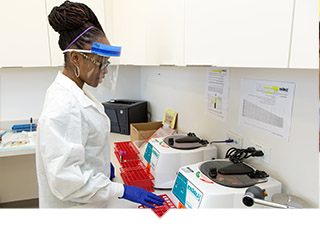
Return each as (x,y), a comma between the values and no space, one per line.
(167,64)
(11,67)
(199,65)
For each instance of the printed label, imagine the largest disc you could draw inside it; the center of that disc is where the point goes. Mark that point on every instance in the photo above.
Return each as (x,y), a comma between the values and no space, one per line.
(148,153)
(154,158)
(151,155)
(188,195)
(193,196)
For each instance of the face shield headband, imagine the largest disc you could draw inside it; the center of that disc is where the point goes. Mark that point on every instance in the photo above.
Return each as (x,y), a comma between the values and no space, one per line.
(100,49)
(97,48)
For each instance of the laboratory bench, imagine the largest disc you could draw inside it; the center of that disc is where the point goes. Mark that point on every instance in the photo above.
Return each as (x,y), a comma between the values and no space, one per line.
(19,181)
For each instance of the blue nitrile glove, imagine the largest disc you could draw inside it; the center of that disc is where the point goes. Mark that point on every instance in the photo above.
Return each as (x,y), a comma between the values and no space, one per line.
(111,171)
(139,195)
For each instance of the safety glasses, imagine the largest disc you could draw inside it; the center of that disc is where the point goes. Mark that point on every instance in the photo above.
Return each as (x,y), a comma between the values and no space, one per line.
(101,66)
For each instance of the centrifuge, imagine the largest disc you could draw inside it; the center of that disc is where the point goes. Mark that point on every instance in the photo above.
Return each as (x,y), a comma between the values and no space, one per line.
(219,183)
(164,156)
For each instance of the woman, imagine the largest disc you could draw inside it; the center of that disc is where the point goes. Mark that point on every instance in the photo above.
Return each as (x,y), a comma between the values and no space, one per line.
(73,150)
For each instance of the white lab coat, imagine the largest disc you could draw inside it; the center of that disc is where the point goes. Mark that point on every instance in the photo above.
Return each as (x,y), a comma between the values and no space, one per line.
(73,150)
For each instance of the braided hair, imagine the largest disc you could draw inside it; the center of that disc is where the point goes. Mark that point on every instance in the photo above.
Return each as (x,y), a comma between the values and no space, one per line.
(70,19)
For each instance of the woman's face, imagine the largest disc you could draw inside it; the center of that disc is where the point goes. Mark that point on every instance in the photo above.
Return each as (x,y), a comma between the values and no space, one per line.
(90,73)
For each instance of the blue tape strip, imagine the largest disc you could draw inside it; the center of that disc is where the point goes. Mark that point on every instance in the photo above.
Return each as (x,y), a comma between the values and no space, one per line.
(106,50)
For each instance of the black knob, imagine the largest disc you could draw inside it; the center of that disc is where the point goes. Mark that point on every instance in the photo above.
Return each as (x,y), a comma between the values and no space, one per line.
(171,141)
(213,172)
(248,201)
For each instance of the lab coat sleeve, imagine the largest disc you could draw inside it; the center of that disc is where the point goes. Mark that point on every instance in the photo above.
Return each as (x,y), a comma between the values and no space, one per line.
(63,157)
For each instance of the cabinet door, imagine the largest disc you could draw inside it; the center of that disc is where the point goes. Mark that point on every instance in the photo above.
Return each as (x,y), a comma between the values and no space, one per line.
(247,33)
(165,32)
(304,47)
(108,20)
(97,6)
(200,32)
(24,34)
(151,32)
(129,30)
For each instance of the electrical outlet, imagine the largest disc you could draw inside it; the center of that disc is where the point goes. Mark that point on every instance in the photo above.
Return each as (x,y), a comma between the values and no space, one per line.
(237,140)
(265,149)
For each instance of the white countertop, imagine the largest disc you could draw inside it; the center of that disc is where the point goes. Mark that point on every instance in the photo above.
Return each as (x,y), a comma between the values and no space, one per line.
(26,150)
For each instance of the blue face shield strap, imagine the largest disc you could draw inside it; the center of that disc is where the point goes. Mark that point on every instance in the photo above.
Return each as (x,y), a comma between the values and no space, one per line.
(100,49)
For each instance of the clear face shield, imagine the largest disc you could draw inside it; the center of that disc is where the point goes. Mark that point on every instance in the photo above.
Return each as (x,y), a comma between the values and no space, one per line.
(104,72)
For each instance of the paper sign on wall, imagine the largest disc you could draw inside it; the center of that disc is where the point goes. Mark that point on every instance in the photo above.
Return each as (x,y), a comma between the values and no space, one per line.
(217,91)
(267,105)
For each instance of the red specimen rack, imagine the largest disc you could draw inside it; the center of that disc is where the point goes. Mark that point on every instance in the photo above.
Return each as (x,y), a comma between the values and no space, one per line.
(126,151)
(131,164)
(133,171)
(161,210)
(137,176)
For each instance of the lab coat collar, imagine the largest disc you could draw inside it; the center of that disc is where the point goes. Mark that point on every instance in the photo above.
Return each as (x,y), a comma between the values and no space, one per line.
(70,85)
(97,104)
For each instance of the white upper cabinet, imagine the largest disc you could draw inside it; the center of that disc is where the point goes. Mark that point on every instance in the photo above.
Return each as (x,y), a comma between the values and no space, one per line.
(151,32)
(256,33)
(24,34)
(165,32)
(233,33)
(108,20)
(200,32)
(97,6)
(129,30)
(228,33)
(304,47)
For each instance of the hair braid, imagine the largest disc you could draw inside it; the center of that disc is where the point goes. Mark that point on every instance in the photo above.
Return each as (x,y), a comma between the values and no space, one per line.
(70,19)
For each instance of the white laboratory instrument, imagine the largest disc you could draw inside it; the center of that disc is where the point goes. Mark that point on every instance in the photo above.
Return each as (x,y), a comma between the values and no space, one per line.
(203,186)
(164,156)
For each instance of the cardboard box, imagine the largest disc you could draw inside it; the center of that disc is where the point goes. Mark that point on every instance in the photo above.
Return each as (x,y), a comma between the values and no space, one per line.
(143,131)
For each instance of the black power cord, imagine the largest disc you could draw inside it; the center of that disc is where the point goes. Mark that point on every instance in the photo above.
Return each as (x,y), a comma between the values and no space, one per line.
(236,155)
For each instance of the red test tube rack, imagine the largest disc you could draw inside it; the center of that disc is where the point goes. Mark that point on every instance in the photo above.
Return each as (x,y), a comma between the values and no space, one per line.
(161,210)
(137,176)
(126,151)
(133,171)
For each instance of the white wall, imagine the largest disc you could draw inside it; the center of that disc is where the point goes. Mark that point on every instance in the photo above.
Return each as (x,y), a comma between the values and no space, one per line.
(294,163)
(22,90)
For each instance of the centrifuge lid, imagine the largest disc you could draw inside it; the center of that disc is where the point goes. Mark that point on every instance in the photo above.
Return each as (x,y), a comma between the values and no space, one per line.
(190,142)
(211,170)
